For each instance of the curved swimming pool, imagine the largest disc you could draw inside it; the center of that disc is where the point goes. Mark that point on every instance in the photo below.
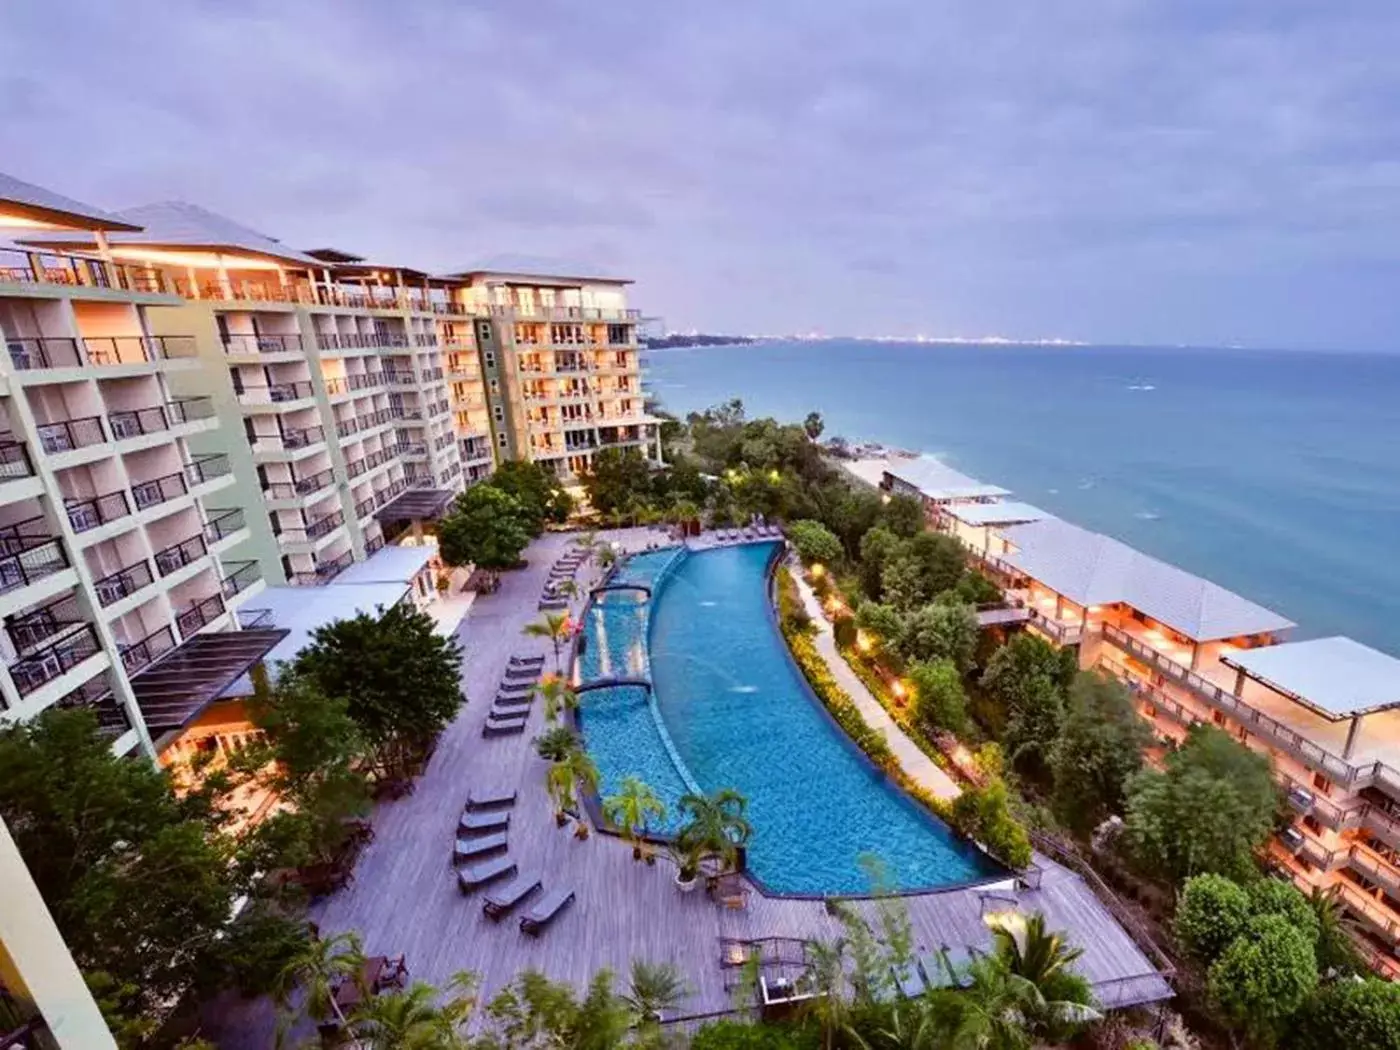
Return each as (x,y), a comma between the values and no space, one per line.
(736,712)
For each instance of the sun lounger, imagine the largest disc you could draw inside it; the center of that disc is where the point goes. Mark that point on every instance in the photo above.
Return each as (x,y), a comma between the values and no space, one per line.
(480,823)
(485,873)
(503,726)
(527,661)
(522,673)
(544,911)
(947,968)
(518,700)
(507,713)
(500,902)
(909,980)
(552,606)
(467,851)
(517,688)
(486,798)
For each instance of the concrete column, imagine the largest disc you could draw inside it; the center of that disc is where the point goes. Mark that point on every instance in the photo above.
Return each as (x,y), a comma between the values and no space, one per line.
(35,964)
(1351,736)
(225,285)
(1195,655)
(1239,682)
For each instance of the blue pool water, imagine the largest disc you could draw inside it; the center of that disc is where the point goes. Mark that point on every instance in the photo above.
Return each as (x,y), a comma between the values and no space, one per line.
(740,715)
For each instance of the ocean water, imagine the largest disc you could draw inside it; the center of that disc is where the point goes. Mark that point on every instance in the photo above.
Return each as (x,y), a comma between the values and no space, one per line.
(1276,474)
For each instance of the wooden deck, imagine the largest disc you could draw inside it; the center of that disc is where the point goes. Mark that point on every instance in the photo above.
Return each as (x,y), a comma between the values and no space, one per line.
(404,898)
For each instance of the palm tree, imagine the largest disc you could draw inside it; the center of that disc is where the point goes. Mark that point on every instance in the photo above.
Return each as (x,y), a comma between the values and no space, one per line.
(607,556)
(564,776)
(557,695)
(826,980)
(1336,949)
(655,988)
(687,513)
(714,824)
(556,743)
(631,808)
(414,1020)
(1002,1010)
(1027,949)
(318,968)
(555,627)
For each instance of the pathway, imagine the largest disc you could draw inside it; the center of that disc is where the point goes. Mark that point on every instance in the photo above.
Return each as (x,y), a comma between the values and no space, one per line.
(918,766)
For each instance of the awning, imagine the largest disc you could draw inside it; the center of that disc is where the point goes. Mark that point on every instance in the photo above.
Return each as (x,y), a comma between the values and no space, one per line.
(415,505)
(176,689)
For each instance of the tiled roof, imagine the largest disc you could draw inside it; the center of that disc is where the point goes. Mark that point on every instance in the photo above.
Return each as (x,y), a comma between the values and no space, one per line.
(1336,677)
(999,512)
(1093,569)
(938,481)
(26,193)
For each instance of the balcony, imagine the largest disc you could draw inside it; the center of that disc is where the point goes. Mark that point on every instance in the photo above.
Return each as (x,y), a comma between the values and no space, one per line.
(401,378)
(203,469)
(395,488)
(14,460)
(374,543)
(199,614)
(241,576)
(28,355)
(148,650)
(188,410)
(364,508)
(39,668)
(346,427)
(96,695)
(224,524)
(262,344)
(137,423)
(414,449)
(323,573)
(38,626)
(147,494)
(77,271)
(348,384)
(276,393)
(289,439)
(69,434)
(88,514)
(28,554)
(178,555)
(123,583)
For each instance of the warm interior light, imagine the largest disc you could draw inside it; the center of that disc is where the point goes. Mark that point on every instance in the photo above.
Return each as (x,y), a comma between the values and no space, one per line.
(863,642)
(818,570)
(897,688)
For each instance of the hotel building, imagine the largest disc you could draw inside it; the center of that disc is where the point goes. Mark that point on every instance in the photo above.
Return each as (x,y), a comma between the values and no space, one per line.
(1326,712)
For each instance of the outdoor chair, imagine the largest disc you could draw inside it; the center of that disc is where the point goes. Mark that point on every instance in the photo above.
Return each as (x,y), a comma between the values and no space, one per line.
(466,851)
(544,911)
(474,876)
(500,902)
(481,823)
(487,798)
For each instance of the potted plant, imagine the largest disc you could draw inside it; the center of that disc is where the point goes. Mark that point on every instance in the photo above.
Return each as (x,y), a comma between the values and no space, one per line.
(687,867)
(630,810)
(715,826)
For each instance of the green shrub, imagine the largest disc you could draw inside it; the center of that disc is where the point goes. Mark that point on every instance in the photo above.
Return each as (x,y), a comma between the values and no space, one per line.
(1262,978)
(1212,912)
(815,542)
(843,629)
(1276,897)
(1349,1015)
(984,814)
(756,1035)
(939,700)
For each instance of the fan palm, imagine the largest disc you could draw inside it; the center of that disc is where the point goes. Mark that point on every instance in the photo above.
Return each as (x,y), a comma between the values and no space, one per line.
(826,979)
(631,809)
(654,989)
(1001,1010)
(557,695)
(1336,949)
(1027,949)
(414,1020)
(564,776)
(555,627)
(318,969)
(556,743)
(714,824)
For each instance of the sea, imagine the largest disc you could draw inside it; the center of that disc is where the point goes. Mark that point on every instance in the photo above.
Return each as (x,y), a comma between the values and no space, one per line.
(1273,473)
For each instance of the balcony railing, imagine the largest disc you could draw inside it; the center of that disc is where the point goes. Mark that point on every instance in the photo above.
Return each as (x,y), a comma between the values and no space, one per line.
(42,267)
(262,344)
(206,468)
(346,427)
(315,483)
(394,488)
(178,555)
(401,378)
(148,650)
(291,438)
(276,393)
(96,695)
(443,441)
(14,460)
(199,614)
(69,434)
(158,490)
(43,666)
(413,448)
(249,619)
(85,515)
(28,554)
(37,627)
(124,582)
(374,543)
(136,422)
(223,524)
(188,410)
(324,571)
(241,576)
(61,352)
(364,508)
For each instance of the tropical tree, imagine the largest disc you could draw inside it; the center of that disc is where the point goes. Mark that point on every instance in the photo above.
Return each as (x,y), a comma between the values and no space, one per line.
(940,705)
(564,777)
(1337,954)
(555,743)
(903,516)
(1099,748)
(486,527)
(632,809)
(653,989)
(1002,1010)
(815,543)
(813,425)
(1262,978)
(1026,949)
(557,695)
(714,825)
(539,492)
(400,678)
(617,479)
(830,1002)
(941,630)
(1360,1013)
(317,971)
(414,1019)
(556,627)
(535,1012)
(1211,912)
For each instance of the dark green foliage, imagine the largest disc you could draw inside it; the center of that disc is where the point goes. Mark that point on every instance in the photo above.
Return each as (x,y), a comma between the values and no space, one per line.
(882,621)
(815,542)
(813,426)
(1349,1015)
(877,547)
(254,950)
(1210,914)
(1099,748)
(939,701)
(1207,812)
(399,676)
(617,479)
(1262,978)
(976,589)
(1024,667)
(942,630)
(984,814)
(753,1035)
(539,493)
(903,516)
(844,630)
(486,527)
(1271,896)
(1337,953)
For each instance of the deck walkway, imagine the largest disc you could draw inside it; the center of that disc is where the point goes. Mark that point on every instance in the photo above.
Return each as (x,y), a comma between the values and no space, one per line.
(404,897)
(919,767)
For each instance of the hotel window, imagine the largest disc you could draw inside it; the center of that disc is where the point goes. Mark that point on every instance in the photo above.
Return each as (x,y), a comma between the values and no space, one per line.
(488,358)
(483,331)
(1322,784)
(498,413)
(501,440)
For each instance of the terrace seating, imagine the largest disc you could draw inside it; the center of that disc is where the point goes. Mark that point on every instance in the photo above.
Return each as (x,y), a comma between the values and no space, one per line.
(517,688)
(518,700)
(500,902)
(947,967)
(545,910)
(466,851)
(488,798)
(472,823)
(474,876)
(527,662)
(505,726)
(553,604)
(522,674)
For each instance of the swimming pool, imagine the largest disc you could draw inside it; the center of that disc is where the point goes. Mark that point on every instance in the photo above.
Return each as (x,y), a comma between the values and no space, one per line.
(738,714)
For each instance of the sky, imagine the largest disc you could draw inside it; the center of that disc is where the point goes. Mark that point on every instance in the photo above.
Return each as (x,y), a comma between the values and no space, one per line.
(1179,171)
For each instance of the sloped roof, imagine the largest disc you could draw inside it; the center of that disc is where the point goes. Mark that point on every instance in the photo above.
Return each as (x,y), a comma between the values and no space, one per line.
(1335,677)
(533,270)
(1092,569)
(53,207)
(179,224)
(938,481)
(1000,512)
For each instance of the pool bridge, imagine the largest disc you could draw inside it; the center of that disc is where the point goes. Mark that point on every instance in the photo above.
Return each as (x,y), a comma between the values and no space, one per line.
(610,683)
(645,588)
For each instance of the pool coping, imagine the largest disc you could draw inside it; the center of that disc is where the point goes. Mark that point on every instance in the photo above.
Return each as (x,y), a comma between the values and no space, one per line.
(592,802)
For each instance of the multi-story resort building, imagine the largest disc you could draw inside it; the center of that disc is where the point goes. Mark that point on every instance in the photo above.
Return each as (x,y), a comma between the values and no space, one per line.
(194,415)
(1325,711)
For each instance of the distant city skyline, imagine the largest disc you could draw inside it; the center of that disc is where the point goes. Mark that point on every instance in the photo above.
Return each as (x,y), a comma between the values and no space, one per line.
(1103,172)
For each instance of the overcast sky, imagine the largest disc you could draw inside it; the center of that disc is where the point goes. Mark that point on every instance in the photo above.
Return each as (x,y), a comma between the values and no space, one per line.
(1204,171)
